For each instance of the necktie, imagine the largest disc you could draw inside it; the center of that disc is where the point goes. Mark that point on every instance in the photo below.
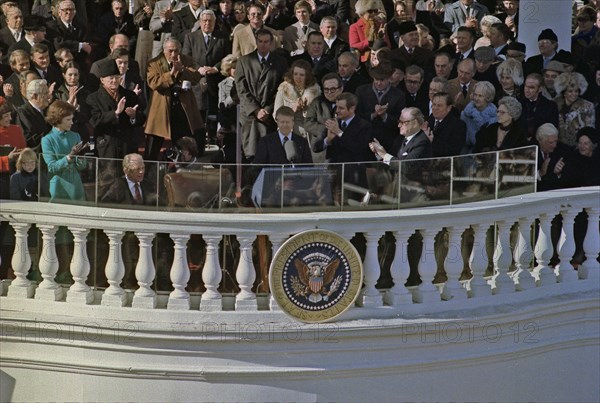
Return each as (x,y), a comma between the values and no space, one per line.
(468,11)
(410,51)
(343,125)
(44,74)
(17,36)
(304,29)
(263,61)
(138,194)
(315,60)
(285,140)
(206,39)
(464,90)
(461,57)
(435,125)
(379,94)
(402,147)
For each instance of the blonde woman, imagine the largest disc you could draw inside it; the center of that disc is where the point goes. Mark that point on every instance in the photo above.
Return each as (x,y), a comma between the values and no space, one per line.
(574,112)
(369,28)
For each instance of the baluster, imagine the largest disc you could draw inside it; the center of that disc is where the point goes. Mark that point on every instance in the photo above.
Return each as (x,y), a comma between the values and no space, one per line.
(453,265)
(501,282)
(370,296)
(523,255)
(276,242)
(591,247)
(114,295)
(144,296)
(211,275)
(478,263)
(245,275)
(543,253)
(400,270)
(80,292)
(427,292)
(179,298)
(564,270)
(20,287)
(48,289)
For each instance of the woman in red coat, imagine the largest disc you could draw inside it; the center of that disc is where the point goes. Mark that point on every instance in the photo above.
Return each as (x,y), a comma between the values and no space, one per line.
(369,28)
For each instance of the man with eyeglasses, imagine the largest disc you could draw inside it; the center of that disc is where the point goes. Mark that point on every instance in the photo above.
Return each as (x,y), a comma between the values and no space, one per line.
(380,104)
(244,39)
(65,32)
(320,110)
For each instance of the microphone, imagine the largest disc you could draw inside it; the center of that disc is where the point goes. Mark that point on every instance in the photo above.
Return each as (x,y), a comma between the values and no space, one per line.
(290,151)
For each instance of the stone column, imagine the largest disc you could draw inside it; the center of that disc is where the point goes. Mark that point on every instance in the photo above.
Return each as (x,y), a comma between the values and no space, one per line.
(80,292)
(523,255)
(591,246)
(144,296)
(179,299)
(453,265)
(564,270)
(48,289)
(20,287)
(543,253)
(114,295)
(427,292)
(501,282)
(211,275)
(400,270)
(245,275)
(478,263)
(370,296)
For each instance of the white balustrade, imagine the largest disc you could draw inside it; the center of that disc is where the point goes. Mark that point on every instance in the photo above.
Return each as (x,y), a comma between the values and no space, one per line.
(523,255)
(114,295)
(245,275)
(144,296)
(399,295)
(427,292)
(21,287)
(48,288)
(564,270)
(590,269)
(543,253)
(478,263)
(370,296)
(80,292)
(453,265)
(211,275)
(179,299)
(501,282)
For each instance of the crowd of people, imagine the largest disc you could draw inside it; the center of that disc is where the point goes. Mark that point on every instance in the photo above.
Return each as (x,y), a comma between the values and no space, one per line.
(362,81)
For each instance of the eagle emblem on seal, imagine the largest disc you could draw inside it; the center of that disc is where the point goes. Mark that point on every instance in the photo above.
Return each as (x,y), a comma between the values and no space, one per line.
(315,280)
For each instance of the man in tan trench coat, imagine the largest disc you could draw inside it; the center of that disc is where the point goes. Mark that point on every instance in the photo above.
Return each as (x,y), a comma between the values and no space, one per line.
(173,112)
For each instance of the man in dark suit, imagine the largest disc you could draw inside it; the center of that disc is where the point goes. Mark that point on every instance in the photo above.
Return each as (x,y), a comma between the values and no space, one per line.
(40,63)
(417,94)
(548,47)
(184,20)
(272,148)
(117,21)
(207,48)
(115,41)
(537,109)
(13,32)
(30,115)
(257,78)
(115,112)
(410,53)
(381,104)
(347,69)
(35,32)
(448,131)
(552,157)
(334,46)
(322,109)
(314,54)
(65,32)
(347,141)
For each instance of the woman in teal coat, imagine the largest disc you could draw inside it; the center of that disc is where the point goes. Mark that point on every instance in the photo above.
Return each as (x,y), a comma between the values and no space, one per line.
(61,149)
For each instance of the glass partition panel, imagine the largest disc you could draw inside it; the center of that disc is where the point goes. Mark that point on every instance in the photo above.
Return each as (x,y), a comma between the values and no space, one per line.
(424,182)
(517,170)
(474,178)
(61,181)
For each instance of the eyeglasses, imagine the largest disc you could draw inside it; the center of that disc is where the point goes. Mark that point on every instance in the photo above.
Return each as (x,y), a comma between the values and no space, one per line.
(405,122)
(331,89)
(255,14)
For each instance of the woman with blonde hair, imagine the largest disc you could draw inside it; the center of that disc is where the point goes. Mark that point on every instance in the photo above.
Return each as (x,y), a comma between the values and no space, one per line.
(574,112)
(298,89)
(510,76)
(486,23)
(24,182)
(369,28)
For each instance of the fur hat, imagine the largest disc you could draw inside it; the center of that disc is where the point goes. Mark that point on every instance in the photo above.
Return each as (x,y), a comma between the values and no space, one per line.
(567,80)
(362,6)
(548,34)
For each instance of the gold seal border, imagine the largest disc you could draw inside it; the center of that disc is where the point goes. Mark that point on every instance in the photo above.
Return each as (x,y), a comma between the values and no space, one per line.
(288,248)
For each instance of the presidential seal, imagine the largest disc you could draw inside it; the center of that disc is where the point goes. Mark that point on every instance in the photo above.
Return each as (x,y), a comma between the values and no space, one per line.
(315,276)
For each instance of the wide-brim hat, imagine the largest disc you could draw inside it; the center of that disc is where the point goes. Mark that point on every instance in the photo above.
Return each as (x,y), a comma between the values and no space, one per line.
(407,26)
(107,68)
(34,23)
